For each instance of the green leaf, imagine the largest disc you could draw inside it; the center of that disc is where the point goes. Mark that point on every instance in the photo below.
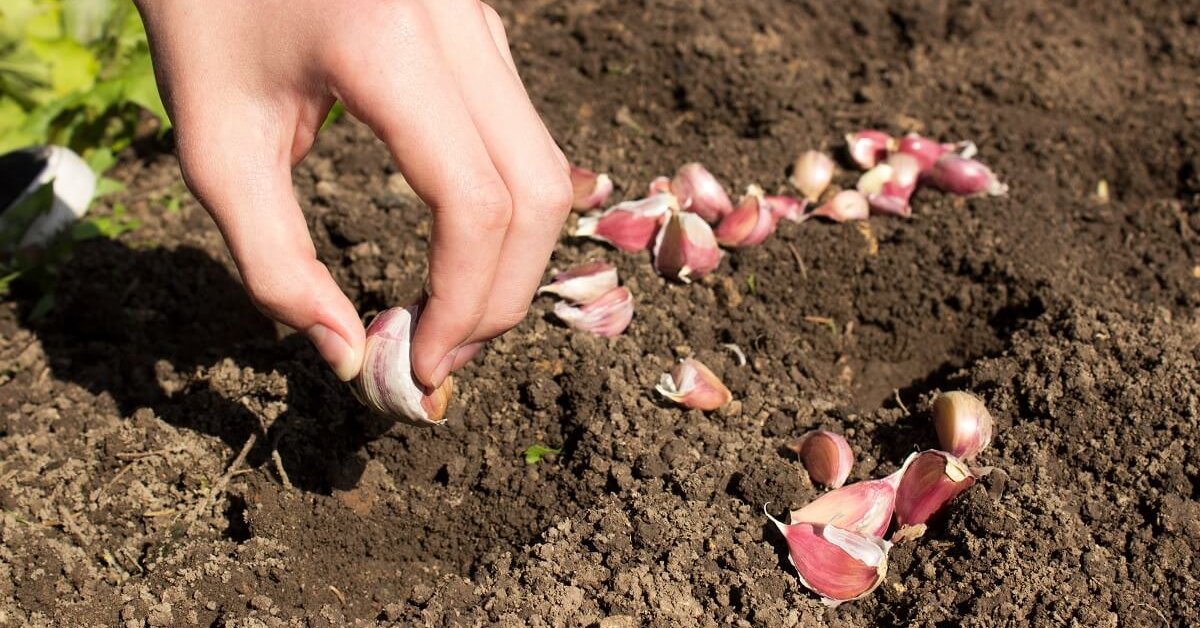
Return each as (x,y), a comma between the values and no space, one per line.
(73,68)
(335,112)
(534,453)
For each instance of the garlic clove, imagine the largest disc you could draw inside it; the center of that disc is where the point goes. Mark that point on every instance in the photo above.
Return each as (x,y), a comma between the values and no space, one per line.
(787,207)
(607,316)
(749,223)
(660,185)
(839,565)
(890,185)
(868,147)
(686,247)
(693,385)
(699,192)
(812,173)
(923,149)
(584,283)
(931,480)
(845,206)
(591,189)
(965,177)
(963,423)
(629,226)
(863,507)
(385,384)
(826,455)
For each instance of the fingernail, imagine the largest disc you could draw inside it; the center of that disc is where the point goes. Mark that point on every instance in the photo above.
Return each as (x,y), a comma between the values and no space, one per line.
(336,351)
(443,368)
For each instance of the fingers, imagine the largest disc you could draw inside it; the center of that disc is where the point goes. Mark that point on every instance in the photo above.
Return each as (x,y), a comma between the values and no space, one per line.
(238,164)
(523,153)
(402,87)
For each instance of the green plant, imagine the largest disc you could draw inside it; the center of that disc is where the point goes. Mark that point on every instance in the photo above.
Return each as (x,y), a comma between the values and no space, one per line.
(75,73)
(534,453)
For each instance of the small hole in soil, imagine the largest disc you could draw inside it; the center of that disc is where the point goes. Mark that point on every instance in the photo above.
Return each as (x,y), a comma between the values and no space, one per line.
(237,530)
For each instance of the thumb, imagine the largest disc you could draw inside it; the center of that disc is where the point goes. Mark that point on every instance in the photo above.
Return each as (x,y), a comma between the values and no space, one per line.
(248,192)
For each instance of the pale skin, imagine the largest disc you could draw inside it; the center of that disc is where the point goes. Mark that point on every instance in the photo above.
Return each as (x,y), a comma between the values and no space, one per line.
(248,85)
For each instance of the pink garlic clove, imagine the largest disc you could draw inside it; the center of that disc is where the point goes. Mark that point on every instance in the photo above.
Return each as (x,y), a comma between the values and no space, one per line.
(787,207)
(693,385)
(660,185)
(845,206)
(826,455)
(867,147)
(839,565)
(923,149)
(686,247)
(749,223)
(591,189)
(584,283)
(629,226)
(889,186)
(699,192)
(862,507)
(965,177)
(931,480)
(963,423)
(812,173)
(386,384)
(607,316)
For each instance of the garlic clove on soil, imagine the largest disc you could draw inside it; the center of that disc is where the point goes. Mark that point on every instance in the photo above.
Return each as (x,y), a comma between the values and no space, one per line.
(749,223)
(787,207)
(584,283)
(845,206)
(812,173)
(963,423)
(863,507)
(686,247)
(923,149)
(693,385)
(699,192)
(386,384)
(889,186)
(607,316)
(839,565)
(931,480)
(961,176)
(867,147)
(591,189)
(826,455)
(629,226)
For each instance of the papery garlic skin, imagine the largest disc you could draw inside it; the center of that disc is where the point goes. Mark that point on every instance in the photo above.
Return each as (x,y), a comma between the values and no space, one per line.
(749,223)
(660,185)
(931,480)
(868,147)
(691,384)
(699,192)
(685,247)
(839,565)
(963,423)
(845,206)
(607,316)
(386,384)
(787,207)
(965,177)
(591,189)
(629,226)
(812,173)
(584,283)
(826,456)
(863,507)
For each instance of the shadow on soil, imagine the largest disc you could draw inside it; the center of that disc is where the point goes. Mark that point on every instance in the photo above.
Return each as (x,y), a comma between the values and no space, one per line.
(137,324)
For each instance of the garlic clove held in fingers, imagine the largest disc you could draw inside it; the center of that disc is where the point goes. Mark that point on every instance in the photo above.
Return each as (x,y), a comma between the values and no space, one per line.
(386,384)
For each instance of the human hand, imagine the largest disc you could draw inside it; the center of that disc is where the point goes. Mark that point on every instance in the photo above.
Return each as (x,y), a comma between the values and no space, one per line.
(248,85)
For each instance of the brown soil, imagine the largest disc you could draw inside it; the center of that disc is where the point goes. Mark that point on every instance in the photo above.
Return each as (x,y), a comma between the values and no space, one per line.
(1074,319)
